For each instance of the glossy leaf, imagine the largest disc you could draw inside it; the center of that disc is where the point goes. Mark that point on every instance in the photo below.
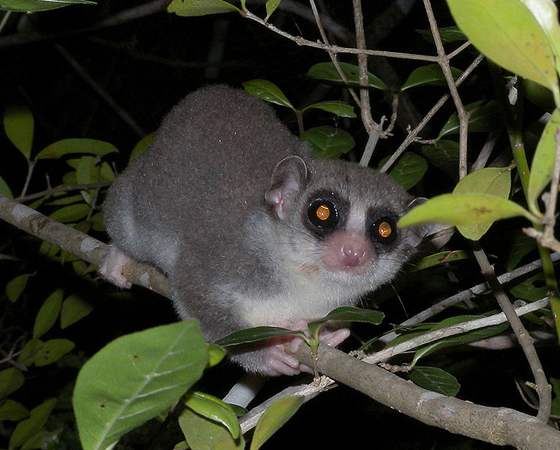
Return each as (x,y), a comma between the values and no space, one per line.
(546,14)
(30,6)
(28,428)
(409,170)
(5,189)
(484,118)
(348,314)
(461,339)
(447,34)
(436,380)
(214,409)
(543,161)
(19,127)
(274,418)
(271,6)
(429,75)
(16,286)
(74,308)
(442,150)
(12,410)
(204,434)
(329,142)
(267,91)
(530,289)
(11,380)
(340,109)
(463,209)
(440,258)
(255,335)
(215,354)
(39,353)
(192,8)
(328,73)
(519,246)
(73,146)
(71,213)
(490,180)
(134,378)
(507,33)
(141,146)
(47,315)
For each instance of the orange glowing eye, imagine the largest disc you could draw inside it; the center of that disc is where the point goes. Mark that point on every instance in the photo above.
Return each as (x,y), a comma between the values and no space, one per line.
(384,229)
(323,212)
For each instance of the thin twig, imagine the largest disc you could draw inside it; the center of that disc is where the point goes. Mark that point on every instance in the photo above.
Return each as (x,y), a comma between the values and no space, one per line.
(412,136)
(443,61)
(524,338)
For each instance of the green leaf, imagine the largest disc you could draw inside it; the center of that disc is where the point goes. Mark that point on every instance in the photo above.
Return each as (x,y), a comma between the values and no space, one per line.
(490,180)
(429,75)
(507,33)
(255,335)
(5,189)
(329,142)
(204,434)
(519,246)
(442,150)
(340,109)
(12,410)
(546,14)
(39,353)
(134,378)
(192,8)
(10,381)
(267,91)
(271,6)
(30,6)
(16,286)
(327,72)
(214,409)
(141,146)
(409,169)
(72,146)
(447,34)
(347,314)
(463,209)
(71,213)
(537,94)
(27,428)
(435,379)
(19,127)
(74,308)
(440,258)
(484,118)
(461,339)
(274,418)
(530,289)
(543,162)
(47,315)
(215,354)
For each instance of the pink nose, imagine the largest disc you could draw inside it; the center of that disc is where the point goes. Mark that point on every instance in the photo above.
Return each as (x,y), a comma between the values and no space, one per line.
(352,255)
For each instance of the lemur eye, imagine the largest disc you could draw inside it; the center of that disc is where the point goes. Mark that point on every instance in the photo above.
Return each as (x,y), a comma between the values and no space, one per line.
(384,230)
(323,213)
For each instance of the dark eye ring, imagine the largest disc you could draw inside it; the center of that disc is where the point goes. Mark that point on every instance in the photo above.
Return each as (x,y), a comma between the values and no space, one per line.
(384,230)
(323,213)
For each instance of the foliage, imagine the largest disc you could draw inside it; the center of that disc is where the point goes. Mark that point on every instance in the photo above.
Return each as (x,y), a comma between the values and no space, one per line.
(151,375)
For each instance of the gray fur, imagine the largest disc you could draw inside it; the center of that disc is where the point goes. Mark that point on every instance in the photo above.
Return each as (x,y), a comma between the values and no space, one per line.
(195,205)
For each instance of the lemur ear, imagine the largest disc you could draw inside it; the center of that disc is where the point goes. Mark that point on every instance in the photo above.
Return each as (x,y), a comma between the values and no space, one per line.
(288,178)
